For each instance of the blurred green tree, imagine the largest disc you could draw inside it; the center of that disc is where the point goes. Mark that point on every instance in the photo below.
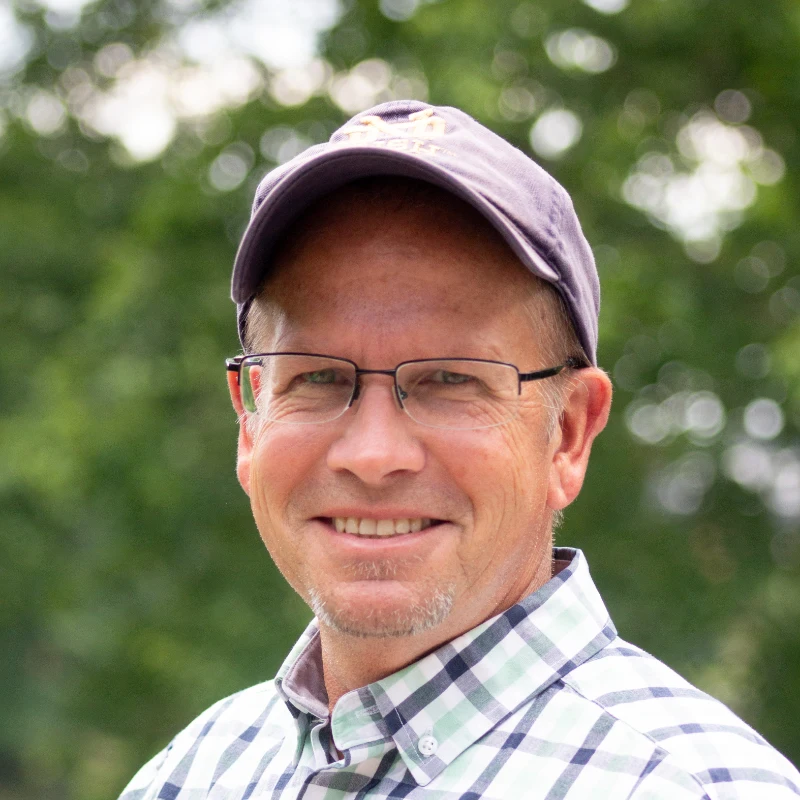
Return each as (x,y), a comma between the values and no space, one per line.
(133,588)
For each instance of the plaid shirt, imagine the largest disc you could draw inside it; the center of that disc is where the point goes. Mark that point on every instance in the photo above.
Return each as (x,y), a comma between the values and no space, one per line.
(543,701)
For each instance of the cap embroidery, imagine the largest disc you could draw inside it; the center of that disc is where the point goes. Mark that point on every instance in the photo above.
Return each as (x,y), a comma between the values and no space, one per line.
(412,136)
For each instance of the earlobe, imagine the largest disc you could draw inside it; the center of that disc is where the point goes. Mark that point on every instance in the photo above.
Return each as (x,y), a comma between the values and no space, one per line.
(245,443)
(585,415)
(243,457)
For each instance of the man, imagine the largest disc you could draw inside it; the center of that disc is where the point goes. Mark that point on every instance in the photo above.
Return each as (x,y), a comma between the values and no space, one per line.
(417,403)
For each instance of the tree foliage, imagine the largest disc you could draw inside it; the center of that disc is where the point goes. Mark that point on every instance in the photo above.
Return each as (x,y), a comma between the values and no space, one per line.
(134,590)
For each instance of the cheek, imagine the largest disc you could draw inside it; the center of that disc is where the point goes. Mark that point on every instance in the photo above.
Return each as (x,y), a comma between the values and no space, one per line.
(282,459)
(525,481)
(280,451)
(504,470)
(529,471)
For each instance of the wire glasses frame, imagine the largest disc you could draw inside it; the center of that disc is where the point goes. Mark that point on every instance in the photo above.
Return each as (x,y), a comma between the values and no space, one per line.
(456,393)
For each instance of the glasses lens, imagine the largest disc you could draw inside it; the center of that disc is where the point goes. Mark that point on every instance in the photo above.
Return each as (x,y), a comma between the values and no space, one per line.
(459,394)
(297,389)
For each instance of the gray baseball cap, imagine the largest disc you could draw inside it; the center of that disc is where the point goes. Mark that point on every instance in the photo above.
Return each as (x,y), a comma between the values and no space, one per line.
(445,147)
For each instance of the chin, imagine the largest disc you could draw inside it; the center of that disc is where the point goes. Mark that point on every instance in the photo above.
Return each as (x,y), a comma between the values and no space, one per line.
(380,621)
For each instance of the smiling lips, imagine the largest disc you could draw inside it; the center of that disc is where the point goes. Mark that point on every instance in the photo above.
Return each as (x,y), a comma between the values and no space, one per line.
(362,526)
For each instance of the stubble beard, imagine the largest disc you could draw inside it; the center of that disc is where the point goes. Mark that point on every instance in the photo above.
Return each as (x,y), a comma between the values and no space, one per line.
(424,614)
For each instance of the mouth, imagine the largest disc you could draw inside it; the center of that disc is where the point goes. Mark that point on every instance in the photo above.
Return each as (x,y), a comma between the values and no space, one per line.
(370,528)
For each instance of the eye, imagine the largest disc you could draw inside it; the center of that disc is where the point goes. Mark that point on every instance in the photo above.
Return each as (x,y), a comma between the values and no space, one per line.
(319,377)
(450,378)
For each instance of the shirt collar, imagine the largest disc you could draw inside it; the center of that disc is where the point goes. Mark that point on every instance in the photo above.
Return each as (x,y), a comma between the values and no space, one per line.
(300,681)
(458,693)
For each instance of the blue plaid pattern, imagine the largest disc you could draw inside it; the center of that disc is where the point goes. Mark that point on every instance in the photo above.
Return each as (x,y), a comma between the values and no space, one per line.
(543,702)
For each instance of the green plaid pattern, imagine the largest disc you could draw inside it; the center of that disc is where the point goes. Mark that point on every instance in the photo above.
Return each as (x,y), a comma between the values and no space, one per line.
(543,702)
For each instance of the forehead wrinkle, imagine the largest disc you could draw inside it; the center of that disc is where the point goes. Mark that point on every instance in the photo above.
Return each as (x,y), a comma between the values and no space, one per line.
(398,316)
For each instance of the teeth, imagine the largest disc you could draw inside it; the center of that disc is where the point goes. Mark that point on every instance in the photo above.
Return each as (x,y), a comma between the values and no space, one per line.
(379,527)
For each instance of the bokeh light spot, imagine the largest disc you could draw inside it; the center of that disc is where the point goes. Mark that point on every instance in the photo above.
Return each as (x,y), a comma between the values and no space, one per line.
(763,419)
(555,132)
(733,106)
(681,488)
(607,6)
(15,40)
(579,49)
(361,87)
(751,275)
(229,169)
(46,113)
(111,58)
(281,144)
(749,464)
(398,10)
(753,361)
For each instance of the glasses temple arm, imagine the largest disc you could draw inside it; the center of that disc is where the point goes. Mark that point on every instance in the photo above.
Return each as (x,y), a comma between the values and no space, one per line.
(572,363)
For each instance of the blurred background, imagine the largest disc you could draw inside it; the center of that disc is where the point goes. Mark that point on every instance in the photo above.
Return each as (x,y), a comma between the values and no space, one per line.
(134,590)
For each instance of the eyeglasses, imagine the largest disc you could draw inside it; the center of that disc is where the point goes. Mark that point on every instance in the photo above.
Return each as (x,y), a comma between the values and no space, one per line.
(460,393)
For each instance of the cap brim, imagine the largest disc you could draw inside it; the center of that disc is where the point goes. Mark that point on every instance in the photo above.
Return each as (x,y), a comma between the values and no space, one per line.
(334,168)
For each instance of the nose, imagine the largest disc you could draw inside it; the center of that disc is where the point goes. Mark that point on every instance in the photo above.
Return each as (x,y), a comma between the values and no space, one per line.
(377,441)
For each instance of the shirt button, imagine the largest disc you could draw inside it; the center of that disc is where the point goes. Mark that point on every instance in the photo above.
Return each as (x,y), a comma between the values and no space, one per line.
(427,745)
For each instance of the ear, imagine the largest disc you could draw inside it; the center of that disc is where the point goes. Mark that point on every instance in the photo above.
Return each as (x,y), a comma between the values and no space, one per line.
(244,451)
(585,415)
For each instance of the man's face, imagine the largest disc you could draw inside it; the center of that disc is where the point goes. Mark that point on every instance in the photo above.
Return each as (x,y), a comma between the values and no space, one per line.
(380,285)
